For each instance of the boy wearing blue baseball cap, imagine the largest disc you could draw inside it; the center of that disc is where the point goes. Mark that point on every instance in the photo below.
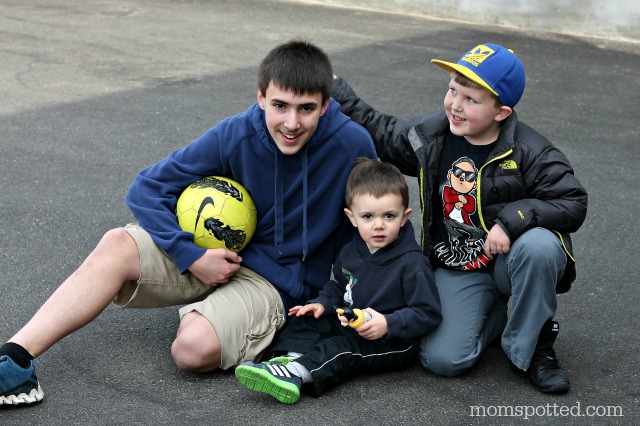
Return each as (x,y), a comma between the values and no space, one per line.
(499,202)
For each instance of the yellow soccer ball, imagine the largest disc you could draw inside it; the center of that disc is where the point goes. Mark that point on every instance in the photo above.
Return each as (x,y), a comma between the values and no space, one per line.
(218,212)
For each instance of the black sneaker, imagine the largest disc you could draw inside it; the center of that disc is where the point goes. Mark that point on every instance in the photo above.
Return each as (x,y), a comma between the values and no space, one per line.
(545,372)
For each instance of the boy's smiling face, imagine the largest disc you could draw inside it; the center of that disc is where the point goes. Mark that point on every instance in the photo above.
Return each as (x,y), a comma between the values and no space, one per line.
(473,114)
(291,119)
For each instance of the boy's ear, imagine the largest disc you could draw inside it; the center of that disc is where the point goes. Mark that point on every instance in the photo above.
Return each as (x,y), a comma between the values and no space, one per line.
(325,105)
(260,99)
(405,216)
(351,217)
(503,113)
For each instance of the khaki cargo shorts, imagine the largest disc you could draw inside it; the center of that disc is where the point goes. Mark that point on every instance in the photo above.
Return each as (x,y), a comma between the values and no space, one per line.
(246,312)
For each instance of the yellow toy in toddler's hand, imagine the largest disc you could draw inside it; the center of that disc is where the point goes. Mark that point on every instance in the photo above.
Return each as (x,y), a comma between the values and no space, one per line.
(356,317)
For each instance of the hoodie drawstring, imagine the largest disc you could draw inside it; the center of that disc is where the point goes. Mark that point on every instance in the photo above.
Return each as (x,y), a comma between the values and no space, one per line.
(305,248)
(278,191)
(279,201)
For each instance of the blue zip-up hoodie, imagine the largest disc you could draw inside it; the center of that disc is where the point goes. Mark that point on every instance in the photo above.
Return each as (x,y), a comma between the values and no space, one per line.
(299,198)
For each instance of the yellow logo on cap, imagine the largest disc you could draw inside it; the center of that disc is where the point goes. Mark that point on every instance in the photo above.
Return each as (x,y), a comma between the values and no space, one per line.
(478,54)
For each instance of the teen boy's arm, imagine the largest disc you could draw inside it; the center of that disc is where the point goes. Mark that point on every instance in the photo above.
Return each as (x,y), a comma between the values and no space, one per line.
(390,134)
(155,190)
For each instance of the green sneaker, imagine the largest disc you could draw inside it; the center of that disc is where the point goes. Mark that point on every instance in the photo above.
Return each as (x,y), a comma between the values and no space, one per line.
(271,377)
(284,360)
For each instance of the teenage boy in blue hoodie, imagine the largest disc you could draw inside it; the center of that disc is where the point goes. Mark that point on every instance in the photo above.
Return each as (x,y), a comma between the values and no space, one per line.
(293,151)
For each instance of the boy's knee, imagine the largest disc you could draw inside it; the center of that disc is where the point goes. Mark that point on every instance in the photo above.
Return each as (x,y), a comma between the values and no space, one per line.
(539,244)
(444,363)
(444,367)
(118,241)
(115,236)
(190,356)
(196,348)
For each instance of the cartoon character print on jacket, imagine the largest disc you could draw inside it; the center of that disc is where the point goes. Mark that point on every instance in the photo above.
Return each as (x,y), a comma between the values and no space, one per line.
(351,281)
(464,249)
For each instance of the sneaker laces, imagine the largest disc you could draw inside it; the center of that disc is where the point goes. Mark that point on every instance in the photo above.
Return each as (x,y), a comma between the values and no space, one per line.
(279,360)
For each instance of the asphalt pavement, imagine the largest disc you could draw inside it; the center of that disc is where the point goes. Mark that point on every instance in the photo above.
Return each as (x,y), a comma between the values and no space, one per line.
(92,92)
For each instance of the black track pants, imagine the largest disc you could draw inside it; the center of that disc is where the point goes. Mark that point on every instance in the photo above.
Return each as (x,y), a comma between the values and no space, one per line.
(333,353)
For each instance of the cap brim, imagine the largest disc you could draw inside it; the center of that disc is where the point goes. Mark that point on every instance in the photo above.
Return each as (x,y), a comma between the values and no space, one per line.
(449,66)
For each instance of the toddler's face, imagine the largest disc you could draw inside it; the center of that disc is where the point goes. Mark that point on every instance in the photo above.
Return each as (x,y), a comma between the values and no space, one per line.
(378,219)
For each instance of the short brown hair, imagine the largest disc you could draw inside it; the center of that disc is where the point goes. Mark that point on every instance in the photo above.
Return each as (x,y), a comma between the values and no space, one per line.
(299,66)
(377,179)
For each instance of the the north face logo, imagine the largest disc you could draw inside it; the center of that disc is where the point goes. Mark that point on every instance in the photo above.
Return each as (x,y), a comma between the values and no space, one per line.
(478,54)
(508,165)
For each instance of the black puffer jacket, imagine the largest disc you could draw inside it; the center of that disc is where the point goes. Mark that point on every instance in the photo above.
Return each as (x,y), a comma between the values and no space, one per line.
(525,183)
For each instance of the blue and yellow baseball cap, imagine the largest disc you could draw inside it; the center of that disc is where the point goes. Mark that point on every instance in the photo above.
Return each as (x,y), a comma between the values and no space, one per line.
(494,67)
